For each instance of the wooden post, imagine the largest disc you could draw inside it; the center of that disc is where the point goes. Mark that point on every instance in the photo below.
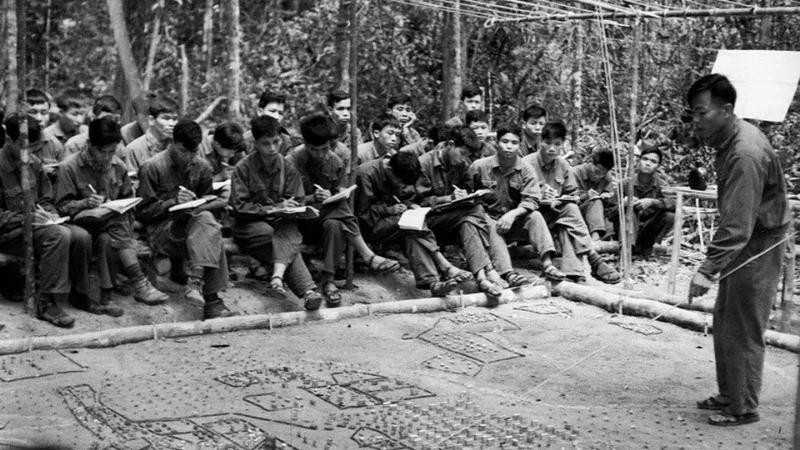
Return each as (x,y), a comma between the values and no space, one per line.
(22,46)
(31,304)
(787,302)
(627,263)
(451,62)
(353,124)
(47,26)
(343,44)
(184,79)
(235,66)
(13,93)
(577,86)
(208,37)
(677,237)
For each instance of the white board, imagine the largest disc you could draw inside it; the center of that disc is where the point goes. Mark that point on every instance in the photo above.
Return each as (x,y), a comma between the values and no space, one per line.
(765,81)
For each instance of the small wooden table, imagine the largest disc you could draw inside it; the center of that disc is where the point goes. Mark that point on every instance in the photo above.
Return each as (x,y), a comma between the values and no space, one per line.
(682,193)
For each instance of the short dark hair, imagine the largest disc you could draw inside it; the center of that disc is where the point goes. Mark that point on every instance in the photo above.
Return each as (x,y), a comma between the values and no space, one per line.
(399,99)
(438,133)
(71,98)
(533,111)
(36,96)
(271,97)
(718,85)
(470,91)
(476,116)
(509,128)
(12,127)
(230,135)
(336,96)
(383,121)
(406,167)
(106,103)
(264,126)
(603,157)
(162,105)
(654,150)
(554,130)
(188,133)
(104,131)
(465,137)
(318,129)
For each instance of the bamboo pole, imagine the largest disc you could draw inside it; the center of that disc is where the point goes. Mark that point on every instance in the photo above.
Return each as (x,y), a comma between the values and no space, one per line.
(129,335)
(677,237)
(28,187)
(184,79)
(629,232)
(636,306)
(666,13)
(787,293)
(47,27)
(353,79)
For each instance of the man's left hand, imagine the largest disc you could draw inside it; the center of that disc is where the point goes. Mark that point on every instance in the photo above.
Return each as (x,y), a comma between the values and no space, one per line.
(699,286)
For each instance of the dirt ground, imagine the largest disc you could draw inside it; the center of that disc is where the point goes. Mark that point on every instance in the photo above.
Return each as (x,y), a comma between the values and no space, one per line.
(542,373)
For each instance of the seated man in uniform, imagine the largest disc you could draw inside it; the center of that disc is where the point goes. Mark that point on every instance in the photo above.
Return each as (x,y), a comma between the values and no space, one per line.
(172,177)
(557,180)
(62,252)
(595,190)
(73,105)
(272,104)
(386,189)
(514,213)
(163,115)
(50,151)
(399,106)
(86,180)
(339,108)
(104,106)
(385,132)
(223,149)
(323,174)
(444,179)
(654,214)
(533,119)
(471,100)
(262,183)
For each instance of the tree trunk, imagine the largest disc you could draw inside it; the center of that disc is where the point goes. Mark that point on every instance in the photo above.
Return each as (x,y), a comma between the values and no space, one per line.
(577,86)
(353,80)
(184,79)
(117,16)
(452,62)
(342,45)
(235,66)
(47,26)
(208,37)
(765,31)
(151,54)
(12,91)
(22,46)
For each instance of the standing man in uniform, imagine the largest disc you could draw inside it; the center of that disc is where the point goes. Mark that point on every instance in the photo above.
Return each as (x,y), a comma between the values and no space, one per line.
(754,218)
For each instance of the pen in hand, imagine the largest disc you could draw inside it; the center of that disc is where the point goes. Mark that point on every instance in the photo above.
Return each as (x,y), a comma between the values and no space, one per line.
(91,188)
(396,199)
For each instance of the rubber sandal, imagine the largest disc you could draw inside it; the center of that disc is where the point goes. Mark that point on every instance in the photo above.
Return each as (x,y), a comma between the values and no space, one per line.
(605,273)
(552,273)
(711,403)
(387,265)
(514,279)
(333,297)
(489,288)
(442,288)
(457,275)
(312,300)
(731,420)
(276,288)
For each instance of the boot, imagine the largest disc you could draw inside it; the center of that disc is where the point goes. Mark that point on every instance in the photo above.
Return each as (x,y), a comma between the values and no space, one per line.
(214,307)
(49,311)
(144,292)
(104,306)
(194,289)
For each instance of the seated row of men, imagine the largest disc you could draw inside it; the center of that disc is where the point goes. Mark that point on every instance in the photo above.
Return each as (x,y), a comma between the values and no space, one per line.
(176,164)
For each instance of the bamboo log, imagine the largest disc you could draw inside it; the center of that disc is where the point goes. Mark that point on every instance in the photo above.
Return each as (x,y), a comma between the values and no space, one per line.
(698,304)
(665,13)
(209,109)
(648,308)
(129,335)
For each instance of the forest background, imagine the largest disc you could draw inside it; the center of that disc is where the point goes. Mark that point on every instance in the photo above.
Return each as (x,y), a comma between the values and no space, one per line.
(185,49)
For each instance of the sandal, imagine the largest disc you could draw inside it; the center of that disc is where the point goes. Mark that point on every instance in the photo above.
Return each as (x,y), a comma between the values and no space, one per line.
(312,300)
(489,288)
(552,273)
(514,279)
(711,403)
(385,265)
(455,274)
(333,297)
(276,288)
(442,288)
(259,273)
(605,273)
(731,420)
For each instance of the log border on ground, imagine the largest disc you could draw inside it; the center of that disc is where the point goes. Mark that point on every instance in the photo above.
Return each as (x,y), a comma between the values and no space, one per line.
(130,335)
